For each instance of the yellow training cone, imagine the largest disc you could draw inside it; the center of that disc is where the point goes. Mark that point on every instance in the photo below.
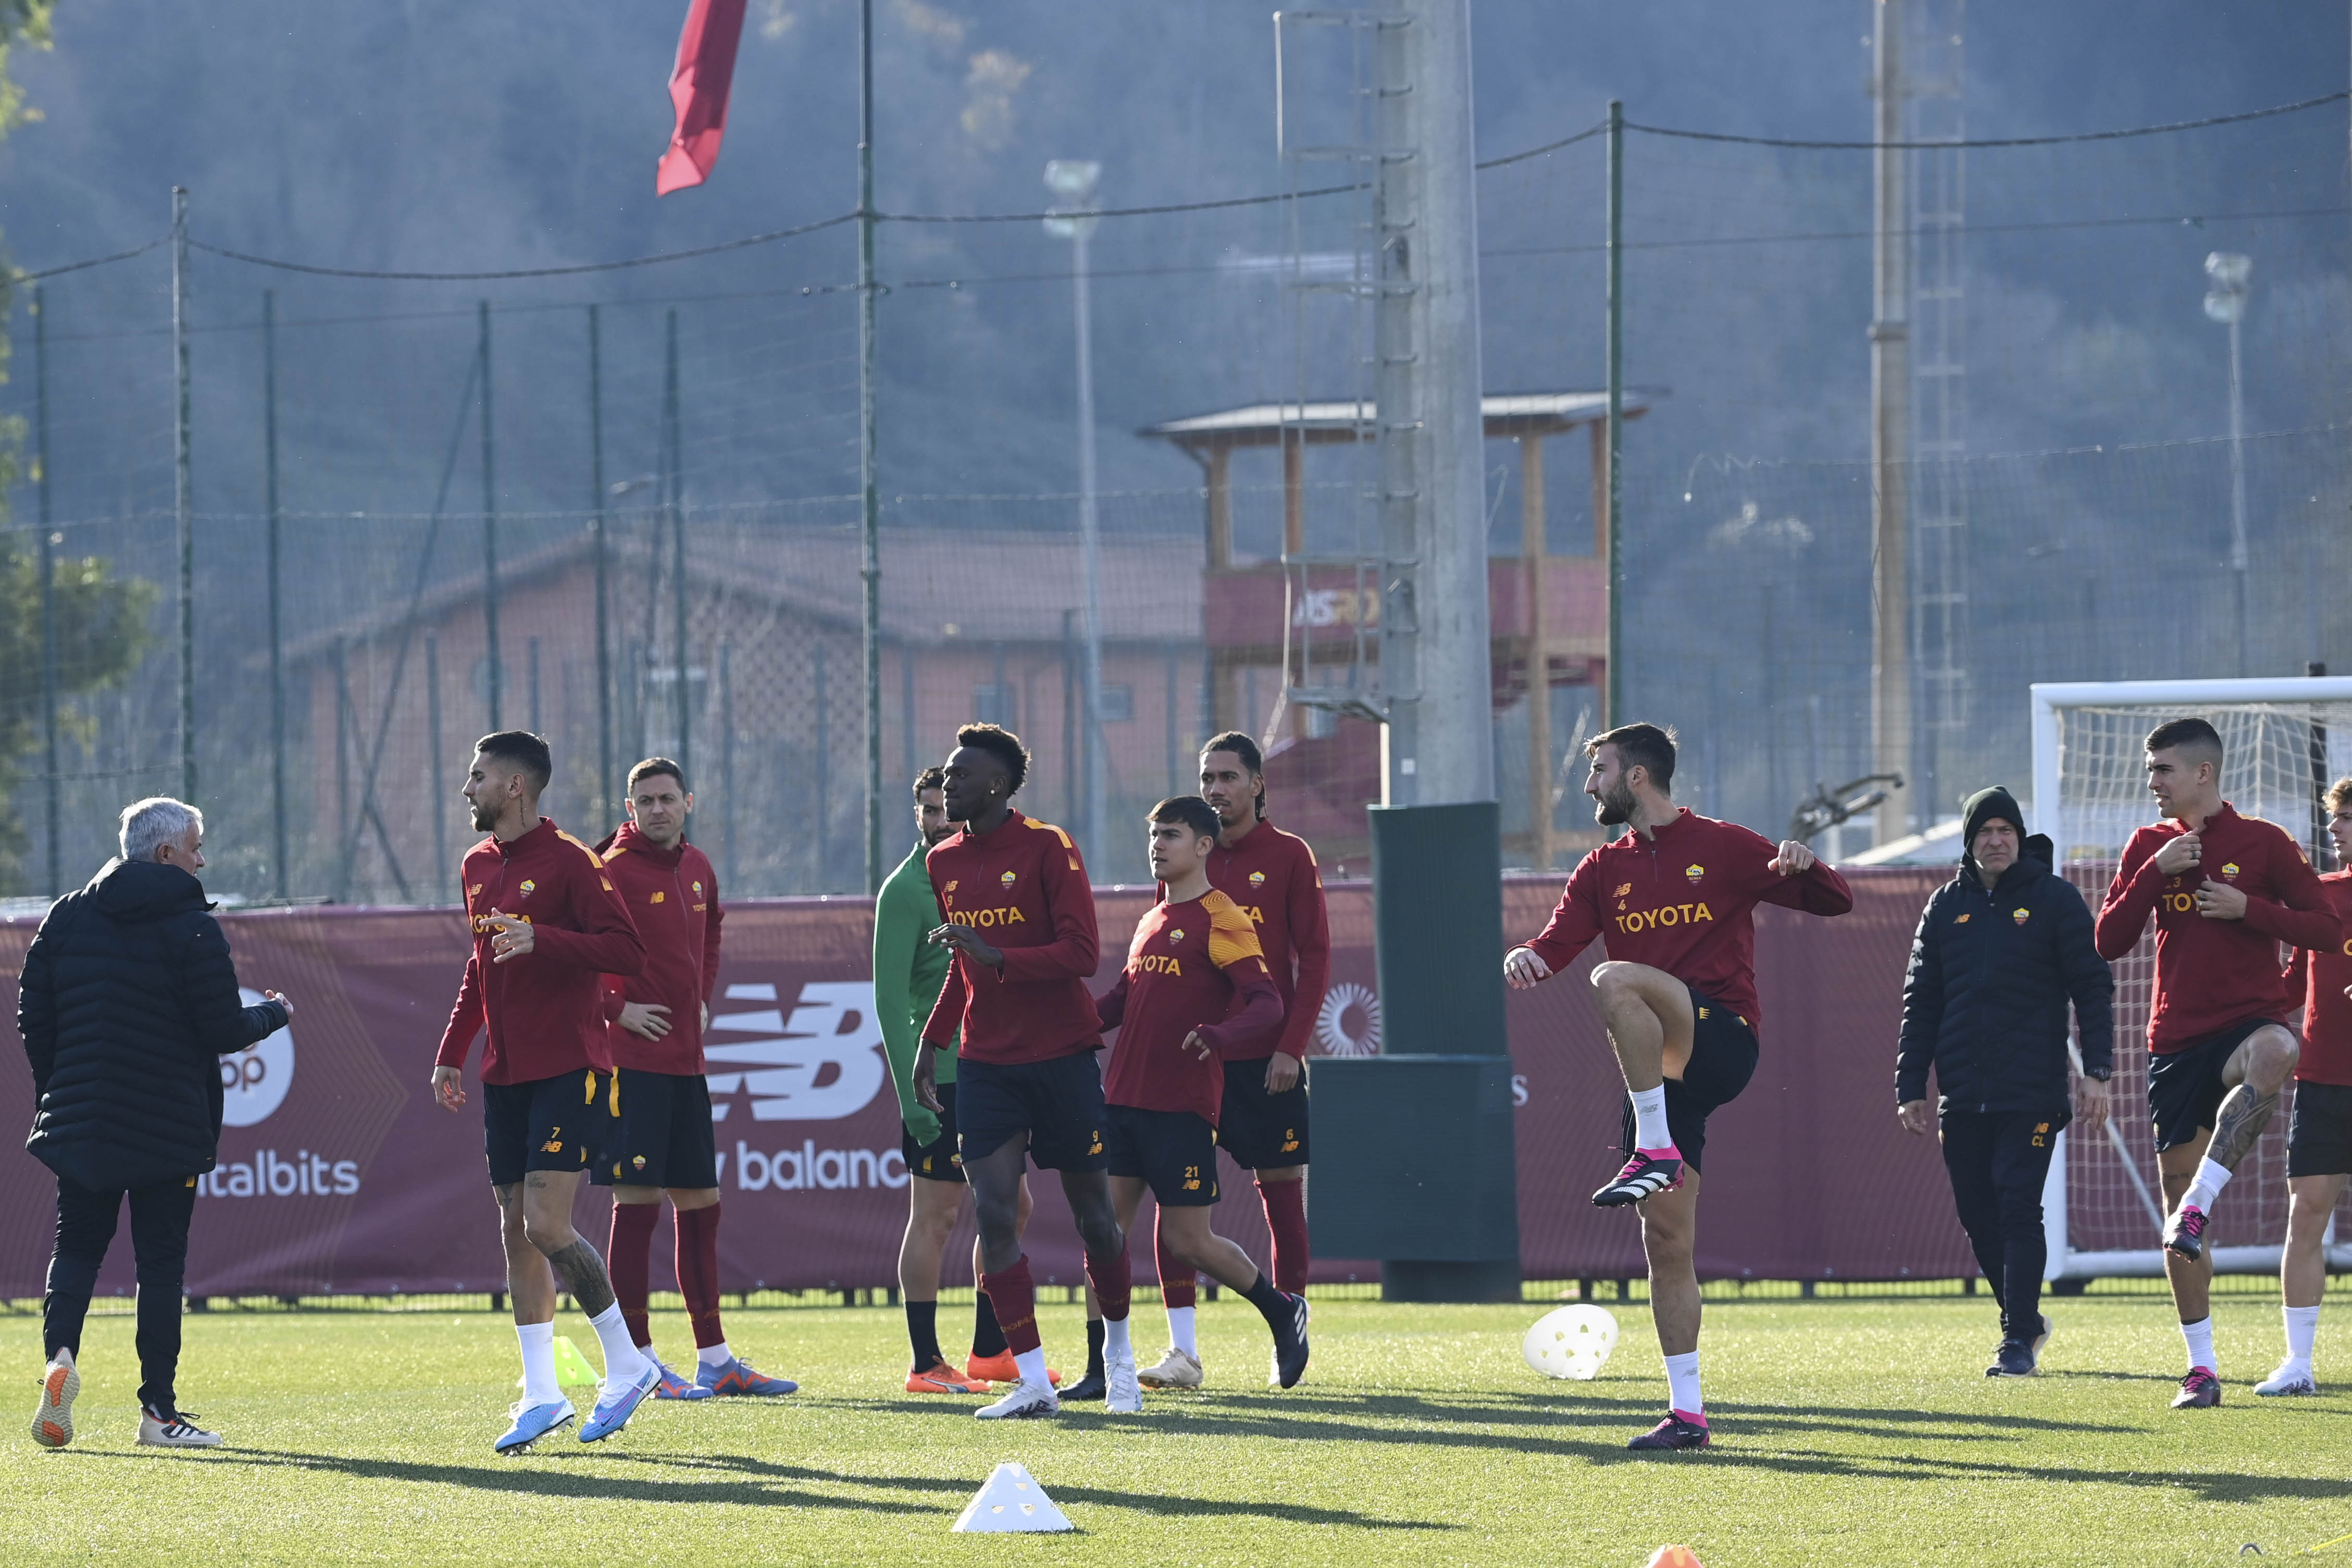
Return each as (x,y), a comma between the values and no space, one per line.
(572,1368)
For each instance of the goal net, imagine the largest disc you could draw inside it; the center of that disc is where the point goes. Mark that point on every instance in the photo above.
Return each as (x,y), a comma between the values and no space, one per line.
(2283,741)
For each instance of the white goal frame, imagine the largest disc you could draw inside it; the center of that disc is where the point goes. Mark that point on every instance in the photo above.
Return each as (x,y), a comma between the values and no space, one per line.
(2050,699)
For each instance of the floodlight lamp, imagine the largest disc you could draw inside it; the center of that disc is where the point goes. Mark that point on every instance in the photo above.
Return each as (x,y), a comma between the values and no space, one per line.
(2229,271)
(1073,179)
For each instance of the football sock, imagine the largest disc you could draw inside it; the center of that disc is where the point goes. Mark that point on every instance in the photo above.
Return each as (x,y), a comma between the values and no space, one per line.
(622,1363)
(1286,1219)
(1177,1282)
(1682,1387)
(1115,1341)
(987,1338)
(1114,1282)
(1182,1334)
(2302,1328)
(923,1333)
(1271,1303)
(2200,1335)
(1095,1334)
(697,1271)
(1031,1363)
(539,1382)
(1650,1119)
(628,1258)
(1014,1293)
(2210,1179)
(713,1355)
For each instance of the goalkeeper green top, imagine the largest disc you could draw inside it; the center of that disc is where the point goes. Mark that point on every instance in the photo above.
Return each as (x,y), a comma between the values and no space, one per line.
(908,972)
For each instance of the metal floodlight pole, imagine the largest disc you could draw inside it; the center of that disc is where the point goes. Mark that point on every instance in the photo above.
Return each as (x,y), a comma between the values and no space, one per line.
(870,500)
(1614,694)
(52,798)
(2228,276)
(674,498)
(598,544)
(280,880)
(1076,183)
(183,494)
(1890,430)
(490,522)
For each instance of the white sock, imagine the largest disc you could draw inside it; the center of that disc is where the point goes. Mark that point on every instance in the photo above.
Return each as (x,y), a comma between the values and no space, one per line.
(1182,1331)
(1115,1346)
(1650,1119)
(2200,1335)
(1682,1385)
(2210,1179)
(623,1362)
(2302,1328)
(1032,1368)
(714,1355)
(539,1382)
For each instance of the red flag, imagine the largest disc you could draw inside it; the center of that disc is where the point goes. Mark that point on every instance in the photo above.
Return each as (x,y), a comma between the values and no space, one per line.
(698,88)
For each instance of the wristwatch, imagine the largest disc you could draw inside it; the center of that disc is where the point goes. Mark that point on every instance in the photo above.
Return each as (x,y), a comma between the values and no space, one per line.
(2102,1074)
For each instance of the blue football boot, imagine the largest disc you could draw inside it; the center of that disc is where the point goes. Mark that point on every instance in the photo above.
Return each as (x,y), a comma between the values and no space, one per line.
(673,1386)
(738,1377)
(614,1410)
(532,1422)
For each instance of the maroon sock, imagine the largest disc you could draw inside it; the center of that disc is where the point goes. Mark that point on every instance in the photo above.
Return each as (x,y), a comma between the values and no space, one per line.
(1013,1294)
(1285,1216)
(698,1272)
(629,1259)
(1114,1282)
(1177,1280)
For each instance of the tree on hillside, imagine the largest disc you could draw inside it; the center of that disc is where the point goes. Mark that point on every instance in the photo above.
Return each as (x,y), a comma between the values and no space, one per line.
(101,619)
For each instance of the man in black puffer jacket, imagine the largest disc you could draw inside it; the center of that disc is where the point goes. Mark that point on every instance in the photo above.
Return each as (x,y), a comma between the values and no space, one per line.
(128,1003)
(2002,949)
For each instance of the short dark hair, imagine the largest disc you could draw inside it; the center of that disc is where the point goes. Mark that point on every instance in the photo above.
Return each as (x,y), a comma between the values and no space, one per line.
(1640,746)
(1192,811)
(2194,733)
(1003,745)
(654,767)
(933,777)
(1245,747)
(2339,794)
(525,751)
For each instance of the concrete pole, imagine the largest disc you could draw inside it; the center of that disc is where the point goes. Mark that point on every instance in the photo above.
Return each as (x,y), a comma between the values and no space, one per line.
(1440,737)
(1890,429)
(1089,559)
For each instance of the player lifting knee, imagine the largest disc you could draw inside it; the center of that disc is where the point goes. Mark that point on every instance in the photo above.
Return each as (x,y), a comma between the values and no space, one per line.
(1019,918)
(1674,902)
(1195,987)
(2225,890)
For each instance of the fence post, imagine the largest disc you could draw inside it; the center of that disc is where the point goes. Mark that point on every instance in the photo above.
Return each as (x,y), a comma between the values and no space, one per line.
(51,797)
(281,881)
(597,546)
(490,522)
(184,495)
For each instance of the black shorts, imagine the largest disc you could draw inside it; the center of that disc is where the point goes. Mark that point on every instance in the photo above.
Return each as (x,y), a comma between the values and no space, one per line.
(2319,1135)
(1722,1060)
(662,1135)
(1262,1132)
(546,1124)
(1056,1105)
(2184,1087)
(1175,1150)
(938,1160)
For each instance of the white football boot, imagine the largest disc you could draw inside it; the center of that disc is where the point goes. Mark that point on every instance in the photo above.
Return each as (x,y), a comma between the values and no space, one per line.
(2292,1377)
(1123,1395)
(1176,1369)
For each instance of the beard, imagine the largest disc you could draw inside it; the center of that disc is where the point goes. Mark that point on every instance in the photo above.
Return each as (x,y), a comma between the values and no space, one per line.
(485,819)
(1614,806)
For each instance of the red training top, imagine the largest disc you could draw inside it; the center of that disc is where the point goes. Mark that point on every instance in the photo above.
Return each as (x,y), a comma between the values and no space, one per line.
(673,897)
(1272,876)
(1189,964)
(544,1010)
(1684,900)
(2211,974)
(1025,890)
(2321,977)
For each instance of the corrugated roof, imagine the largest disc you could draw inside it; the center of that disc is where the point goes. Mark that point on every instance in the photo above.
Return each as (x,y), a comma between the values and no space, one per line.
(1562,408)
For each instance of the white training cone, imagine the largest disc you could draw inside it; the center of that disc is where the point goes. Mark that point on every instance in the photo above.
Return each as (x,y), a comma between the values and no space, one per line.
(1010,1501)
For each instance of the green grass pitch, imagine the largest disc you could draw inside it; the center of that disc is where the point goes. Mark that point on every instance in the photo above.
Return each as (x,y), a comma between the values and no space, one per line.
(1848,1432)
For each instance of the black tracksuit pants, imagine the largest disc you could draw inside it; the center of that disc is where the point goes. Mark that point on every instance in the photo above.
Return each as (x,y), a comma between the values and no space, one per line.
(159,1243)
(1998,1160)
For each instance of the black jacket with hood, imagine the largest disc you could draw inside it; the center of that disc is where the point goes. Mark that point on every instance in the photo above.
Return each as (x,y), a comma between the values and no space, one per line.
(127,1003)
(1991,975)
